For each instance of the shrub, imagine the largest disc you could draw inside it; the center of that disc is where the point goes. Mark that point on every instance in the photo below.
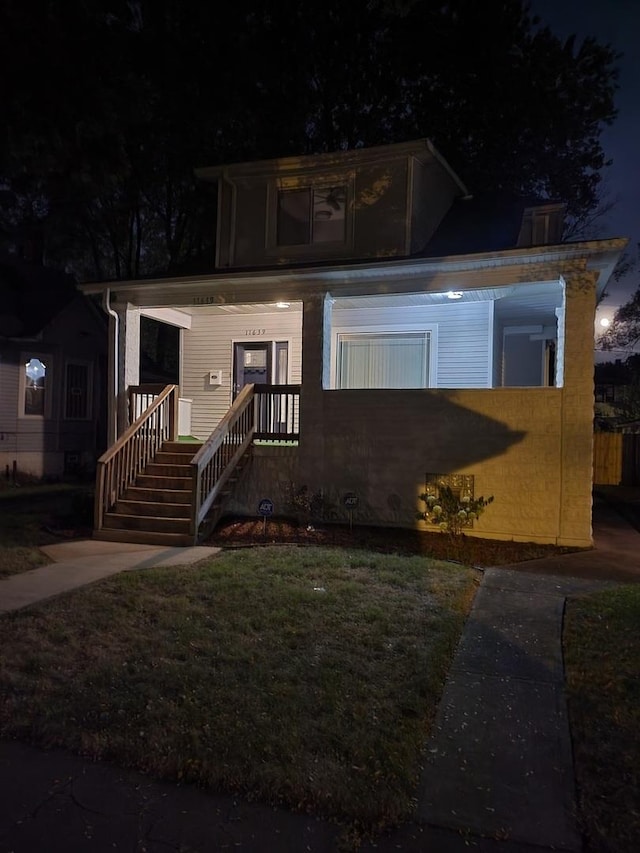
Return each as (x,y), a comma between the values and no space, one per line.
(302,504)
(450,512)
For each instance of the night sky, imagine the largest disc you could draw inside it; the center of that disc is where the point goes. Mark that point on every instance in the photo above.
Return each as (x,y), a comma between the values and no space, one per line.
(618,23)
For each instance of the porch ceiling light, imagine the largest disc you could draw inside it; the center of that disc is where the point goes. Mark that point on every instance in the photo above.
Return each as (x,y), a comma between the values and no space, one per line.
(282,305)
(455,294)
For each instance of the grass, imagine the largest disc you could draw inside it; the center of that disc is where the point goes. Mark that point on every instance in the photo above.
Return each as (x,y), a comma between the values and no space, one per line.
(304,677)
(32,516)
(602,658)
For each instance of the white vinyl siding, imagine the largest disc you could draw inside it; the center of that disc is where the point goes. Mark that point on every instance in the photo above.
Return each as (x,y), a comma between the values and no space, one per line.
(9,390)
(208,345)
(462,354)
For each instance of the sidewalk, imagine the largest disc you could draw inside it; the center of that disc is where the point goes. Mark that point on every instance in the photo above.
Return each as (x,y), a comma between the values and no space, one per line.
(498,769)
(81,562)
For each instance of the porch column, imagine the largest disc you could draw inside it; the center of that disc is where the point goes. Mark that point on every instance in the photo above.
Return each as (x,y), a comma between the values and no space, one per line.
(316,359)
(128,358)
(576,483)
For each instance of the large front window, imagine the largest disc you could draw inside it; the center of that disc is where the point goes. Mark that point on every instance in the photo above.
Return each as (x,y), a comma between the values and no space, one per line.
(312,215)
(383,360)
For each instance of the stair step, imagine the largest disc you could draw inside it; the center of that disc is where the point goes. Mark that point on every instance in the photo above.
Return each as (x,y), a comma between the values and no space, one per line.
(153,469)
(187,448)
(163,457)
(144,537)
(153,508)
(146,481)
(170,496)
(121,521)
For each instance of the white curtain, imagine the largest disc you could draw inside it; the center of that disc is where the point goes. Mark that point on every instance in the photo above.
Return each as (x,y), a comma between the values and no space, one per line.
(383,360)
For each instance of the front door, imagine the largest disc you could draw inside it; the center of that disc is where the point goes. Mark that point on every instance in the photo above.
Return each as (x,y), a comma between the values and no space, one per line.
(251,365)
(265,363)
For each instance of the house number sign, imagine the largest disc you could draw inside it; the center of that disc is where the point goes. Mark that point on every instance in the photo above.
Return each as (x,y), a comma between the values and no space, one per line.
(254,333)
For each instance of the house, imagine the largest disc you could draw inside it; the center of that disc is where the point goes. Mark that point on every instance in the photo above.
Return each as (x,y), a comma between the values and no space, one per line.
(372,327)
(53,346)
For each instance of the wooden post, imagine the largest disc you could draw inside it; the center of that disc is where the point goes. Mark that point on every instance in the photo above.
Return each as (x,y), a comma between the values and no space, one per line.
(174,404)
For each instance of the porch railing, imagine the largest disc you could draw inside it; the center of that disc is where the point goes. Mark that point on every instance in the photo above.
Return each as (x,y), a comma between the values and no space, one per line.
(277,412)
(140,397)
(213,464)
(120,465)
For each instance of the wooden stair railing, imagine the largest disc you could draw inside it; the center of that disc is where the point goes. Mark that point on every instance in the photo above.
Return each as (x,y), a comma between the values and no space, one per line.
(213,464)
(120,465)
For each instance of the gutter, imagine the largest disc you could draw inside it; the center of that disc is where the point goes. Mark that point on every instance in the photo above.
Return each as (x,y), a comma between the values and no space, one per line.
(112,401)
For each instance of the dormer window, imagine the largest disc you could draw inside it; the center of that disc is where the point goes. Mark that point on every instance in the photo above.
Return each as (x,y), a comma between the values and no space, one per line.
(312,215)
(542,226)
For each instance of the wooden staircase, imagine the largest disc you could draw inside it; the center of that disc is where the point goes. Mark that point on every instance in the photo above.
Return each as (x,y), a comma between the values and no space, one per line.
(152,489)
(157,509)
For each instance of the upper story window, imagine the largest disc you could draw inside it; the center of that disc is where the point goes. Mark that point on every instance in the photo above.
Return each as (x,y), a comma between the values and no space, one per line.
(542,226)
(312,215)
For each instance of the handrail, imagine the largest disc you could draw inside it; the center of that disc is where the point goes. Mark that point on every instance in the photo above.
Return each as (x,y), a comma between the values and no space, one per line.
(119,466)
(213,463)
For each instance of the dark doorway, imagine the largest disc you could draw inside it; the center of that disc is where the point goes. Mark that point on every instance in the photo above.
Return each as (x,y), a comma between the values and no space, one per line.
(159,352)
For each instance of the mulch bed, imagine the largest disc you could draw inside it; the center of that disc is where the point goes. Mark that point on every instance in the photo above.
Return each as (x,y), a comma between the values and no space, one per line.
(244,532)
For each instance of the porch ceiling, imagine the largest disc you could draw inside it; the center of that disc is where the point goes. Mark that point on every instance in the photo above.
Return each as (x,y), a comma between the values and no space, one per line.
(526,299)
(248,308)
(508,299)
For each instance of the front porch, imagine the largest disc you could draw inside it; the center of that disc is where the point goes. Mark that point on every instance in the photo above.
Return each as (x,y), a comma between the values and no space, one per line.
(153,488)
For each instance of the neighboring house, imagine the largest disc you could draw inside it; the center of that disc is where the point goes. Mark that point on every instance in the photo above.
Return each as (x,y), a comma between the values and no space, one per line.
(53,346)
(421,331)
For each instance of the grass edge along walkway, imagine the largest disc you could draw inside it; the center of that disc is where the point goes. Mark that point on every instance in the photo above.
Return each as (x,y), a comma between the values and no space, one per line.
(602,662)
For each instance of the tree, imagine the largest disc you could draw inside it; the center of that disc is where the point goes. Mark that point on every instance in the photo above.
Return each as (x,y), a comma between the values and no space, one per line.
(624,332)
(113,103)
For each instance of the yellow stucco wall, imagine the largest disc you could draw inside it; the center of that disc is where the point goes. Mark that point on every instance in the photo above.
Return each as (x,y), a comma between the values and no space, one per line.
(531,448)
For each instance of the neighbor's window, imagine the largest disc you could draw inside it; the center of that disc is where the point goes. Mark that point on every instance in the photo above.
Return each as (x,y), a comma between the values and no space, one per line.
(76,405)
(35,387)
(311,215)
(383,360)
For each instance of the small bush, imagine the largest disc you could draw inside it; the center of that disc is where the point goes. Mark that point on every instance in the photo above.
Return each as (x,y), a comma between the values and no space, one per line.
(450,512)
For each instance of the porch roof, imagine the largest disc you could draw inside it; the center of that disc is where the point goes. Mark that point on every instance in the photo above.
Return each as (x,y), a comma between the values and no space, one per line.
(406,275)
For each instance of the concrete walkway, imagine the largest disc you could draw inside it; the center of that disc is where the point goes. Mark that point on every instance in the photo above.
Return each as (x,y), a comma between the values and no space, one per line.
(499,763)
(81,562)
(497,777)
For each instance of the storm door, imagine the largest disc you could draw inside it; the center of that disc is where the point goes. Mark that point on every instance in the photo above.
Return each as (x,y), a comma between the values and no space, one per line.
(251,365)
(265,363)
(260,364)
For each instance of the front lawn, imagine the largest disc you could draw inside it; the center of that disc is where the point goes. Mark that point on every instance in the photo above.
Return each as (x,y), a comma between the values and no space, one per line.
(32,516)
(602,659)
(304,677)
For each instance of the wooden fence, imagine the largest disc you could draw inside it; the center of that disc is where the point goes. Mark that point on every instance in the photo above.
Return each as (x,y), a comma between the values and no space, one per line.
(616,459)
